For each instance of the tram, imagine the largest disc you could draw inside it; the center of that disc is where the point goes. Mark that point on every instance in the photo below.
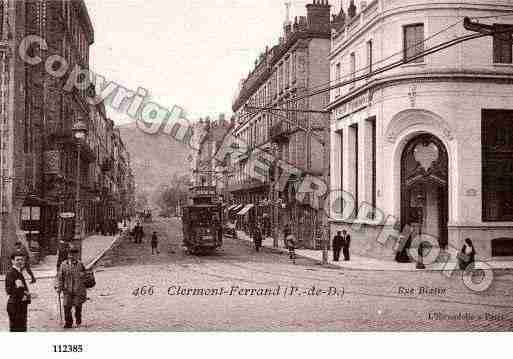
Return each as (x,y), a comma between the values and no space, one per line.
(202,222)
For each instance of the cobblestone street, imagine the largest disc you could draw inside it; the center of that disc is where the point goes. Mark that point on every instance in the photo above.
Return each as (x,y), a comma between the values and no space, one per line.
(359,300)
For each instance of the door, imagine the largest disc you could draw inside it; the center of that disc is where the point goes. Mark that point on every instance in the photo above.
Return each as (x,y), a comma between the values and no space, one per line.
(424,189)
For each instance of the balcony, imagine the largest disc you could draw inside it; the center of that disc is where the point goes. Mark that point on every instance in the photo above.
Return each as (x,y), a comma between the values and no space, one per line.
(107,165)
(281,131)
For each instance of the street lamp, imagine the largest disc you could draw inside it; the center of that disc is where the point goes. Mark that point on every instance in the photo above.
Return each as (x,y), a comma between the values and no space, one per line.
(79,131)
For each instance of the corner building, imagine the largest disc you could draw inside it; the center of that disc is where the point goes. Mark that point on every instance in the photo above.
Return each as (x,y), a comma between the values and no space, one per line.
(431,141)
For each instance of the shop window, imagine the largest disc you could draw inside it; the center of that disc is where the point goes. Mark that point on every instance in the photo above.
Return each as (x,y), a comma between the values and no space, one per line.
(497,166)
(414,42)
(502,247)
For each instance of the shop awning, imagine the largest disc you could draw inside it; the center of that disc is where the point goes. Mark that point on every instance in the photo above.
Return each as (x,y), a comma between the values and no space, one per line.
(245,209)
(233,206)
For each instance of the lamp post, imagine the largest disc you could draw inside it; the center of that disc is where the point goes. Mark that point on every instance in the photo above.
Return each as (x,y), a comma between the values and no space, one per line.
(79,131)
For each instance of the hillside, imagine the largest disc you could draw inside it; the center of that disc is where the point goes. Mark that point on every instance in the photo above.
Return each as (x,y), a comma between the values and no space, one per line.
(154,158)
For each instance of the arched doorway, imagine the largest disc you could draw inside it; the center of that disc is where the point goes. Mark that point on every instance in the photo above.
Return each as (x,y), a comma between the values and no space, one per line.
(424,188)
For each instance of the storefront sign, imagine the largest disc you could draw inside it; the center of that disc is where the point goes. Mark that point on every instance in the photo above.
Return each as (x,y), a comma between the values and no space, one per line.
(353,105)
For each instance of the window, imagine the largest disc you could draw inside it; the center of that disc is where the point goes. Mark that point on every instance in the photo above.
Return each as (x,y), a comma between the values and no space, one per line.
(293,66)
(414,42)
(502,45)
(497,166)
(369,55)
(353,165)
(372,125)
(338,75)
(1,19)
(352,67)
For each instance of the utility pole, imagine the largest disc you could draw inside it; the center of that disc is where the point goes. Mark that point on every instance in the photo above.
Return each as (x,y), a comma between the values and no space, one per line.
(272,195)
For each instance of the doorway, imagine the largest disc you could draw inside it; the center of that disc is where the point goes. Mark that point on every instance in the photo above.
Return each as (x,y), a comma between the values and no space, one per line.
(424,189)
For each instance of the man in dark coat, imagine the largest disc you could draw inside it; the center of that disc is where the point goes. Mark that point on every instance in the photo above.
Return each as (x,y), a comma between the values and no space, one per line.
(337,246)
(70,282)
(19,295)
(19,248)
(257,237)
(346,243)
(154,243)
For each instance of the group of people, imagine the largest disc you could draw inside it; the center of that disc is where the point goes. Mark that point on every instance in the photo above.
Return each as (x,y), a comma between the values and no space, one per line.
(108,228)
(69,283)
(259,231)
(138,234)
(341,242)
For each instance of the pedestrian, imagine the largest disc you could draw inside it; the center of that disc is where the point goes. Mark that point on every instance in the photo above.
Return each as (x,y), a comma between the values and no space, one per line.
(19,295)
(70,283)
(290,243)
(140,234)
(286,232)
(467,255)
(257,237)
(19,248)
(346,243)
(338,241)
(136,232)
(154,243)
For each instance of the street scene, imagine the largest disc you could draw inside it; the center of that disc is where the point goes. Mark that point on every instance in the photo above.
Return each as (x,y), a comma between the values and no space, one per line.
(309,165)
(138,291)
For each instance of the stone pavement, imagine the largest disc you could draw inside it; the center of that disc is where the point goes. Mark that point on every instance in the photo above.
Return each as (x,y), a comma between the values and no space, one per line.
(93,248)
(366,263)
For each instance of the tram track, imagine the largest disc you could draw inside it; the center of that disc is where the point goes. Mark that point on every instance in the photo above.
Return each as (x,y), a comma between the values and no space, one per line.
(229,277)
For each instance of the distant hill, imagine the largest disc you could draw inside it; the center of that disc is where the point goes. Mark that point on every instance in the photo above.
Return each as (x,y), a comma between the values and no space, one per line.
(155,159)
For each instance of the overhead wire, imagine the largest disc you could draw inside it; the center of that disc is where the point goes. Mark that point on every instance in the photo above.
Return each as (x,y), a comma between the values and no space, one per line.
(365,68)
(313,91)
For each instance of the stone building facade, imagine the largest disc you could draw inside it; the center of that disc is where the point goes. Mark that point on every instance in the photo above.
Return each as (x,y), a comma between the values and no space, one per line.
(292,68)
(40,161)
(428,143)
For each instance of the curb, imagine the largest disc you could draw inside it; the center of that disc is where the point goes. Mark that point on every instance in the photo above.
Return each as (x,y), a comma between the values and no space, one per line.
(87,266)
(412,269)
(108,248)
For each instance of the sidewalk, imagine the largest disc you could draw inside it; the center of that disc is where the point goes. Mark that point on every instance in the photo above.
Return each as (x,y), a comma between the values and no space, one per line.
(93,249)
(366,263)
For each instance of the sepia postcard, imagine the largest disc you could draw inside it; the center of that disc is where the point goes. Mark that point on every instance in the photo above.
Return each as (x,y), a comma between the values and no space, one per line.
(255,166)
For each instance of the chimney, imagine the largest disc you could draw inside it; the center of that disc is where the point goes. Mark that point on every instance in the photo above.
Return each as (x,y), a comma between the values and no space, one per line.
(221,118)
(351,11)
(318,16)
(339,21)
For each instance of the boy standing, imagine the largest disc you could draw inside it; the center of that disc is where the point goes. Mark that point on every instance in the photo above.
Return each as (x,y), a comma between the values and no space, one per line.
(154,243)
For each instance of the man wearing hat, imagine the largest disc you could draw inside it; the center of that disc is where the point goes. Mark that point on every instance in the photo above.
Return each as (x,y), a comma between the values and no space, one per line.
(71,284)
(20,249)
(19,295)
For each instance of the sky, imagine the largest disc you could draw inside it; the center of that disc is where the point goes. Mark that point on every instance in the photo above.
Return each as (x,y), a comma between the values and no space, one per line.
(188,53)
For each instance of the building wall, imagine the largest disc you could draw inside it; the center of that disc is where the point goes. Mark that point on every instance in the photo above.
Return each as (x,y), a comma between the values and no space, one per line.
(442,96)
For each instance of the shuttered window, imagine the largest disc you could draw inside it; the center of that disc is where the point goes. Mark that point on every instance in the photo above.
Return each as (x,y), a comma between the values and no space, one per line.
(413,42)
(502,45)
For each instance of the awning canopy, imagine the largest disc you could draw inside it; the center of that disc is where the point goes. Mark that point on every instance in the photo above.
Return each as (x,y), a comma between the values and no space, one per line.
(233,206)
(245,209)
